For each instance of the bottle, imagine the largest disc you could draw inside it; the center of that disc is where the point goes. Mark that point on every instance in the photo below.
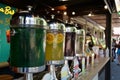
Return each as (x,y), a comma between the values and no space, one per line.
(107,52)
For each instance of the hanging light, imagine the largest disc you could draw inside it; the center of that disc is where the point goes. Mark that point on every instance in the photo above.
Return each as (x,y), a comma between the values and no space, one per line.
(90,14)
(105,7)
(65,13)
(52,9)
(73,13)
(108,5)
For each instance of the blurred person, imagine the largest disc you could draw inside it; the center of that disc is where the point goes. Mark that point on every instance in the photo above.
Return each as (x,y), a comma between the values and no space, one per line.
(118,52)
(113,49)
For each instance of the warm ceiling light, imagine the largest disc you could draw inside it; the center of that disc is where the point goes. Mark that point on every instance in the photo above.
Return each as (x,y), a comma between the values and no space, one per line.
(108,5)
(105,7)
(73,13)
(90,14)
(52,9)
(65,13)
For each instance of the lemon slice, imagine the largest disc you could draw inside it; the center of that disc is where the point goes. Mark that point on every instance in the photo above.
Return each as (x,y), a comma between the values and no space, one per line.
(60,37)
(50,38)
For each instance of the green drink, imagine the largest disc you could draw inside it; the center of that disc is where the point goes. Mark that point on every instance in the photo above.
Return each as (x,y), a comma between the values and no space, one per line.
(27,34)
(27,47)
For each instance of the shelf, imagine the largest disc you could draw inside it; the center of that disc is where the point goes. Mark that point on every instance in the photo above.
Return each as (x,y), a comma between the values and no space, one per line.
(4,64)
(93,70)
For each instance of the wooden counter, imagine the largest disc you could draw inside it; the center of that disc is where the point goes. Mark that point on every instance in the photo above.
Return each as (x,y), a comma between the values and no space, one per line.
(6,77)
(4,64)
(94,70)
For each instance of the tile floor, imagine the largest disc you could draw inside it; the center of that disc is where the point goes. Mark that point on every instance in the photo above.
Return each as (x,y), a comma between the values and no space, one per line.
(115,71)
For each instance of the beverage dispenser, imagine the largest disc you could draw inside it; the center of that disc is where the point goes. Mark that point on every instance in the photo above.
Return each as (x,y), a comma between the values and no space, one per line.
(80,42)
(80,48)
(70,50)
(55,45)
(27,49)
(70,38)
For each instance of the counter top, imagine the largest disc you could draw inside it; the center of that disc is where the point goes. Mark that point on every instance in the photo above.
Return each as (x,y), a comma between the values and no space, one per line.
(93,70)
(4,64)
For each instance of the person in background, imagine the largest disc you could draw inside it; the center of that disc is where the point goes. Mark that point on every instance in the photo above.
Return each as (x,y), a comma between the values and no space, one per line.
(118,52)
(113,49)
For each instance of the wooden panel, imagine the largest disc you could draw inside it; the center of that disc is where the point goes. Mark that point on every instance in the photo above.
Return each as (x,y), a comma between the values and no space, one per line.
(101,19)
(6,77)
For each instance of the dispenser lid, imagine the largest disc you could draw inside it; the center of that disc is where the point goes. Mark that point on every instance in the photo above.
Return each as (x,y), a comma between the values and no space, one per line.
(56,24)
(70,28)
(27,17)
(80,31)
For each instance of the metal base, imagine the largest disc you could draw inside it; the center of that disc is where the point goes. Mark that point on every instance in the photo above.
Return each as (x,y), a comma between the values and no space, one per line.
(28,69)
(56,62)
(69,58)
(28,76)
(79,55)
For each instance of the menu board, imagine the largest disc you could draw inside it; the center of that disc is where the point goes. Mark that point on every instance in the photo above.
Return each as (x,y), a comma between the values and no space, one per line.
(6,13)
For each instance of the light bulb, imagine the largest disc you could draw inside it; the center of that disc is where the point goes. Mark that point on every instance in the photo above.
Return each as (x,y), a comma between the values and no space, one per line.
(89,14)
(65,13)
(105,7)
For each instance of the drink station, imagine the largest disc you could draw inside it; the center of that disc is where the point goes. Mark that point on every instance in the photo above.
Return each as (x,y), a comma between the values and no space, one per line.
(60,50)
(38,45)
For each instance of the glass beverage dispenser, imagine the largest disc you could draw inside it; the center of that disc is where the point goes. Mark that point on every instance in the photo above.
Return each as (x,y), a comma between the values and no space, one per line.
(70,35)
(55,45)
(70,40)
(27,53)
(80,45)
(80,42)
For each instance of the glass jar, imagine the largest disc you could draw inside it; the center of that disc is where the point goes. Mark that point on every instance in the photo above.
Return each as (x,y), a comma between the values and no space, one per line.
(80,42)
(55,42)
(70,38)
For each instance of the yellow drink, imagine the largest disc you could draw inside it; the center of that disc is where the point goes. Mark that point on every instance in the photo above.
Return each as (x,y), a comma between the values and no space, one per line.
(54,46)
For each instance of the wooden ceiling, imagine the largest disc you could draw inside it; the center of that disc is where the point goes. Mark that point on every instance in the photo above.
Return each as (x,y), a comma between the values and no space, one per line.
(101,19)
(80,7)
